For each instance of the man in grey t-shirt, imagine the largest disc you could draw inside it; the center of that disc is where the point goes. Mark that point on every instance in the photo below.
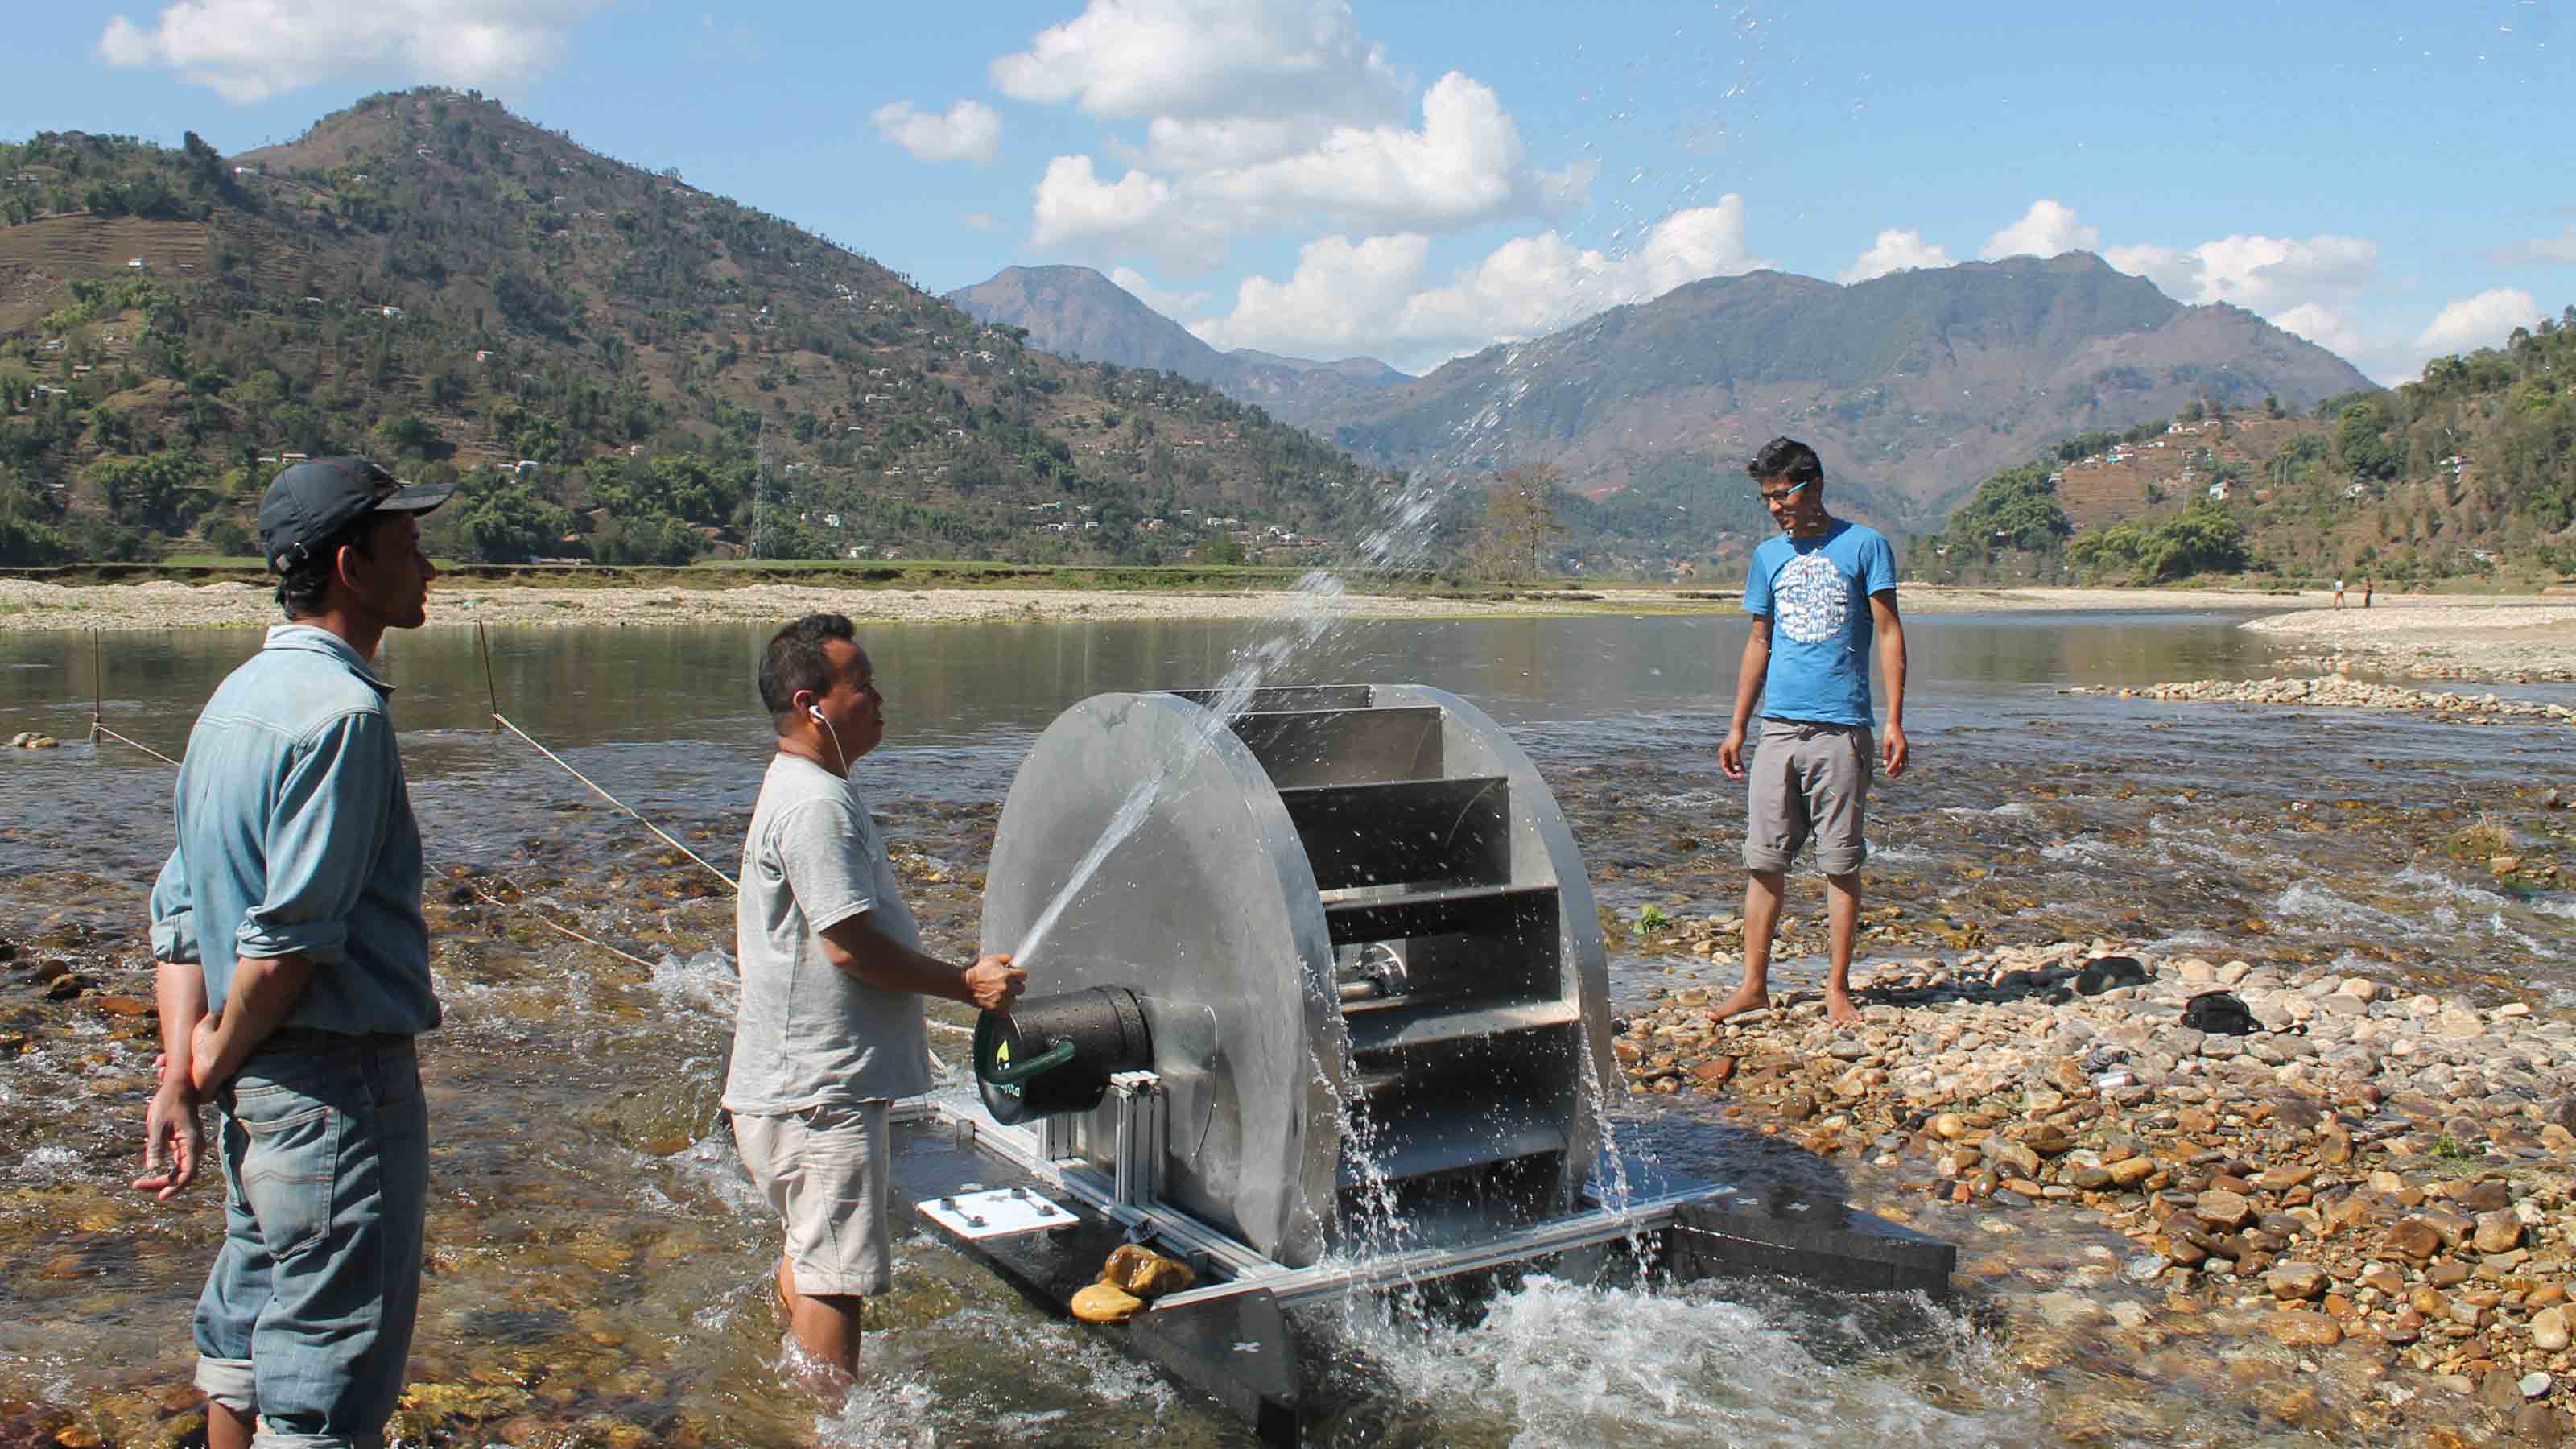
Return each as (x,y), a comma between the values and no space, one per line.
(830,1025)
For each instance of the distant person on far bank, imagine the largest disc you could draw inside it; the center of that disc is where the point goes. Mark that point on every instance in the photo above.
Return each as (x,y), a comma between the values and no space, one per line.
(1820,594)
(2365,591)
(2338,593)
(294,973)
(830,1026)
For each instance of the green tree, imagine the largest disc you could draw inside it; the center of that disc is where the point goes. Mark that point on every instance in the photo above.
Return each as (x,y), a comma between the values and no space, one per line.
(2016,509)
(2361,437)
(157,492)
(499,520)
(645,538)
(1521,524)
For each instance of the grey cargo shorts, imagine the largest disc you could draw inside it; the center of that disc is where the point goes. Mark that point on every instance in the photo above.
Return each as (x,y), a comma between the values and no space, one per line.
(1808,779)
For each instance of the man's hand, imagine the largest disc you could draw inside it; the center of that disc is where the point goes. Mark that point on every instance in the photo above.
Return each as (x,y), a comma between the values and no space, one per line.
(172,1140)
(993,983)
(1730,755)
(1891,748)
(205,1048)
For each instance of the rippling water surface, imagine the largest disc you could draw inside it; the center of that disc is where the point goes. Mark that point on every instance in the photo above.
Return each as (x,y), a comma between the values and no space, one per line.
(598,1259)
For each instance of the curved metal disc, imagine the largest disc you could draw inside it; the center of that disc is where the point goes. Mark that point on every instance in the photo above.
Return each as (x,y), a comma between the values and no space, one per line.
(1143,846)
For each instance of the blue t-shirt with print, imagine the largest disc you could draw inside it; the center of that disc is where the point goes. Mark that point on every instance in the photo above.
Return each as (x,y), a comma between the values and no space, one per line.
(1815,591)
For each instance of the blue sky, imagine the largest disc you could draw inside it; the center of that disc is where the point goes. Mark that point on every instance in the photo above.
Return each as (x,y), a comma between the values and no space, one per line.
(1416,180)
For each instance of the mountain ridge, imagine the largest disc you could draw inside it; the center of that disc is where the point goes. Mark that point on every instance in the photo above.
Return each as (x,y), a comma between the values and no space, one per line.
(1076,312)
(612,363)
(1915,386)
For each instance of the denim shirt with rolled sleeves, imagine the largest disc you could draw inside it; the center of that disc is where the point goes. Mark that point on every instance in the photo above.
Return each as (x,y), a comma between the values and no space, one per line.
(296,836)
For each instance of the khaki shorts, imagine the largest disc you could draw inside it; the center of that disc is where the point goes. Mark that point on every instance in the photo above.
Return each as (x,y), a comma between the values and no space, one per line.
(1808,779)
(824,1170)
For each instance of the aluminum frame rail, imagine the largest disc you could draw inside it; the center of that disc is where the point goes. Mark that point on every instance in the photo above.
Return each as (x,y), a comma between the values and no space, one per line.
(1254,1273)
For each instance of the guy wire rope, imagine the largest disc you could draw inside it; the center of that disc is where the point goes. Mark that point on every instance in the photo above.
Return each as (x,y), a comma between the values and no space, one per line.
(97,729)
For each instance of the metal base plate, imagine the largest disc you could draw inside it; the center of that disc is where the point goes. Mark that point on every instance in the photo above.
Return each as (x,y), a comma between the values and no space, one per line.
(1003,1212)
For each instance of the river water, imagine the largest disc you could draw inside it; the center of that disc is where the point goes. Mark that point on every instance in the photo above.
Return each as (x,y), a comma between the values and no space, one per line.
(598,1260)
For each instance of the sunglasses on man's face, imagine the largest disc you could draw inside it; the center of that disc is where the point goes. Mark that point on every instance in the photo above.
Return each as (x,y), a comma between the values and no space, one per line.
(1773,500)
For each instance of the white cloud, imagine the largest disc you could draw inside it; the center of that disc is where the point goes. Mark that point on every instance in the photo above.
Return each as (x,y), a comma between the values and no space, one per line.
(1466,166)
(2324,327)
(979,221)
(2484,320)
(1342,296)
(1162,299)
(1138,210)
(1372,295)
(249,50)
(1195,59)
(2270,275)
(971,131)
(2543,251)
(1894,251)
(2048,228)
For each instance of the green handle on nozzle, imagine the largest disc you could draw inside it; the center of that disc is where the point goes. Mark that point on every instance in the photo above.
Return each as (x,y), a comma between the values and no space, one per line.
(989,1049)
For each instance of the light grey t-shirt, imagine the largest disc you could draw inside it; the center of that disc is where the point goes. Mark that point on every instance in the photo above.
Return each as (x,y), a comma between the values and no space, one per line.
(805,1034)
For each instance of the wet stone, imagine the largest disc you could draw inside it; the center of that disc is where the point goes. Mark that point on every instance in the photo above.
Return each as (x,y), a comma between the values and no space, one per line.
(2549,1330)
(2412,1238)
(2497,1232)
(2303,1328)
(2223,1209)
(2295,1282)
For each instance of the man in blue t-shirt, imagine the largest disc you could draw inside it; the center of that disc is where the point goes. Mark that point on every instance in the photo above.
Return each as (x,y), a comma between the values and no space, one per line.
(1818,594)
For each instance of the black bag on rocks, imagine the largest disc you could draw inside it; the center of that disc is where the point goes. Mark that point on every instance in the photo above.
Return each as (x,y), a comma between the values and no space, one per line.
(2219,1013)
(2105,973)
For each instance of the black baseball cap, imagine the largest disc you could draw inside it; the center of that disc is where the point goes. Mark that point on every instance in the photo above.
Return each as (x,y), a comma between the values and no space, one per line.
(313,500)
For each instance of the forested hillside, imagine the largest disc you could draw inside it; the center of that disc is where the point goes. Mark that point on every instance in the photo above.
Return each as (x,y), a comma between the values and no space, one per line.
(2469,472)
(604,357)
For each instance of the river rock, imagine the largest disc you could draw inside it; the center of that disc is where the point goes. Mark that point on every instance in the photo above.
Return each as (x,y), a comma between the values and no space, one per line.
(2295,1282)
(2549,1330)
(2497,1232)
(2129,1172)
(2412,1238)
(2005,1152)
(2282,1179)
(2223,1209)
(2303,1328)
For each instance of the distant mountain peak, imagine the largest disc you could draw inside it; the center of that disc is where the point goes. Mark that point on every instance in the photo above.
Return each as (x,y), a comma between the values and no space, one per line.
(1074,311)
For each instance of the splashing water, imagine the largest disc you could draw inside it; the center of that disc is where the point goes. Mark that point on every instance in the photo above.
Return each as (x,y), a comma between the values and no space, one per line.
(1560,1363)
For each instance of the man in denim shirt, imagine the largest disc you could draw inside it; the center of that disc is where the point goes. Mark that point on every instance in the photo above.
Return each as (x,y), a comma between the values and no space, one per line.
(295,973)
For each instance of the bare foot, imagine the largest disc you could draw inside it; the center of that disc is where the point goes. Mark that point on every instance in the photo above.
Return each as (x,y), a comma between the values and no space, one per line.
(822,1382)
(1746,998)
(1839,1008)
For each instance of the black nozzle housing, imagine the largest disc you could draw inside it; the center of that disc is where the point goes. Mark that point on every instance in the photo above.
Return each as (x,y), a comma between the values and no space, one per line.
(1050,1055)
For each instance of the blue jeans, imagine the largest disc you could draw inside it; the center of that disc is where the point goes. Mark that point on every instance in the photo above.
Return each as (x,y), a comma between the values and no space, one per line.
(307,1317)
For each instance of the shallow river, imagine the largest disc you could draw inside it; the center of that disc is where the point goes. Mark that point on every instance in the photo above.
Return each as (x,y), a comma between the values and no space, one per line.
(597,1258)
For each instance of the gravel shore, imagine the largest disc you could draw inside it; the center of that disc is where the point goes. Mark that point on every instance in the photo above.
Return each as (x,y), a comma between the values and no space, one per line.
(26,604)
(2520,641)
(2373,1184)
(2333,691)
